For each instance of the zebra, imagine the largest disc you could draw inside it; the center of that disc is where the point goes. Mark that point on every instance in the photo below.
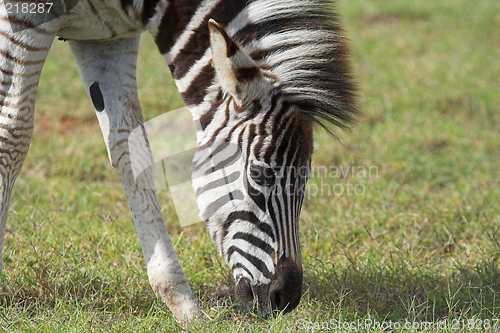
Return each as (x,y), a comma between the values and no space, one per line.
(258,75)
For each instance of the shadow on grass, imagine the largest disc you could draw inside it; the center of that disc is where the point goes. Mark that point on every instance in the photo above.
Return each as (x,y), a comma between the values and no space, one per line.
(350,292)
(48,289)
(398,294)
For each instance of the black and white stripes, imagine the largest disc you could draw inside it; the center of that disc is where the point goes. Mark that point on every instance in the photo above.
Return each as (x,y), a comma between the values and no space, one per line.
(257,76)
(257,79)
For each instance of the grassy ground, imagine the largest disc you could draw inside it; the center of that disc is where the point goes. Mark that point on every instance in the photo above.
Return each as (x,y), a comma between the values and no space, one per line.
(401,224)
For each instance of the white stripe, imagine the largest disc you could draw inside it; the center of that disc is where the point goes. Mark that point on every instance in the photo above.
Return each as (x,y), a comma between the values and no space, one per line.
(239,22)
(196,20)
(154,22)
(184,83)
(257,274)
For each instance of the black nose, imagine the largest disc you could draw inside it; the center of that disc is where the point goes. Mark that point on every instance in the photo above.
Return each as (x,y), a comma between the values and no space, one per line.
(282,294)
(286,287)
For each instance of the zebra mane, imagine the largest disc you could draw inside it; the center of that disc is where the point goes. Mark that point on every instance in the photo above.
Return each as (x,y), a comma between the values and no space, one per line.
(301,44)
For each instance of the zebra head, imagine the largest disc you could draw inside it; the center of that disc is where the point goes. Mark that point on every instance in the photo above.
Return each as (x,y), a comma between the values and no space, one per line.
(251,168)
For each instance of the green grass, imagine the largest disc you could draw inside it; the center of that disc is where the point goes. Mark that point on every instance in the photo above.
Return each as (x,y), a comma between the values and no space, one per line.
(418,241)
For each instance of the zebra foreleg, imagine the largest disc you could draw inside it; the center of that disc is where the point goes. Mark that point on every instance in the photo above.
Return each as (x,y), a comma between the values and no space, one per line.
(22,56)
(108,70)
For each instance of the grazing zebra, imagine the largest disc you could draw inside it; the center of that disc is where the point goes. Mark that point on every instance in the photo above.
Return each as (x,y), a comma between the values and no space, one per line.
(257,76)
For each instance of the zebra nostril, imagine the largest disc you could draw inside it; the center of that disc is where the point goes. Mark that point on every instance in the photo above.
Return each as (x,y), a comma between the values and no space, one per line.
(286,288)
(278,301)
(283,301)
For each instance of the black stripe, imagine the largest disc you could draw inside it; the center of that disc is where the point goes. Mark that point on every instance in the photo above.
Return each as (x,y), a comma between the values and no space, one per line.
(272,214)
(276,216)
(285,212)
(224,12)
(228,161)
(262,127)
(254,241)
(174,22)
(259,264)
(217,204)
(282,123)
(148,10)
(250,217)
(220,148)
(224,123)
(218,183)
(126,4)
(207,117)
(252,133)
(257,197)
(295,177)
(240,265)
(197,90)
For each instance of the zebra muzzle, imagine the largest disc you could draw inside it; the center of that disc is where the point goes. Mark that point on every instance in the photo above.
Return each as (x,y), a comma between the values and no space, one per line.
(282,294)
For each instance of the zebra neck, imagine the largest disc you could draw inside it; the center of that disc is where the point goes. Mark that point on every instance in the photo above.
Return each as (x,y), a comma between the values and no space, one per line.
(298,42)
(181,34)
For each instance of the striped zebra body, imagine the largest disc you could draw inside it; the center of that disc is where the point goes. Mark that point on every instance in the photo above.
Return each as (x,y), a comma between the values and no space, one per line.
(257,76)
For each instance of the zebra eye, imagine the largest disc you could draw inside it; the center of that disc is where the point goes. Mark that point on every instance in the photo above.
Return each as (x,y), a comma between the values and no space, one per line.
(262,175)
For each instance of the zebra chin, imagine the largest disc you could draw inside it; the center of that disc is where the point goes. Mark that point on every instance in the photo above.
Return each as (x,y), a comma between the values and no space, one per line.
(282,294)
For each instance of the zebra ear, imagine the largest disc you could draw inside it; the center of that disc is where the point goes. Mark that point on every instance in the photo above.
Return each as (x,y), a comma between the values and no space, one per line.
(235,69)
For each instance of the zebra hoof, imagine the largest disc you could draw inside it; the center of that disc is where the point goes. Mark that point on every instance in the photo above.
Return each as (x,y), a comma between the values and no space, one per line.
(188,314)
(183,305)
